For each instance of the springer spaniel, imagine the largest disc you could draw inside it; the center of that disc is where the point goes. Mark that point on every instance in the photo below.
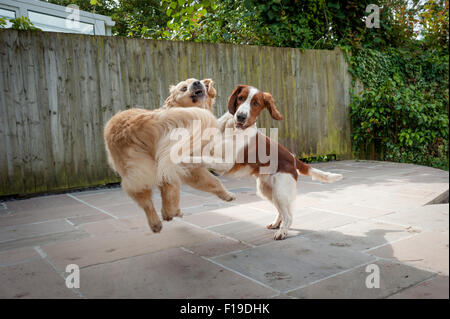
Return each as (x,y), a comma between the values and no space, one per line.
(277,173)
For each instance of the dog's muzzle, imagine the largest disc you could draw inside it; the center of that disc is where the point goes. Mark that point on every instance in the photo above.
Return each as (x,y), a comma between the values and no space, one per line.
(197,89)
(240,120)
(241,117)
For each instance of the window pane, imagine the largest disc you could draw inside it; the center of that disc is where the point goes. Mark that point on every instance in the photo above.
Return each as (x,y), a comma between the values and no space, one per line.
(47,22)
(9,14)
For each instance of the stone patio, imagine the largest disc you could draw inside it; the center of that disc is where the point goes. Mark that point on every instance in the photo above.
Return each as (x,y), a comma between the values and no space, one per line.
(375,215)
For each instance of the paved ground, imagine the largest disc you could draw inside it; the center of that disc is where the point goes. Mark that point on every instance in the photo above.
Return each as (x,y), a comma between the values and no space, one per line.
(375,215)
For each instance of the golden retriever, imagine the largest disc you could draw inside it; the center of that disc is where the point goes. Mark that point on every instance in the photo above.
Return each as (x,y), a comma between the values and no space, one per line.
(192,92)
(138,147)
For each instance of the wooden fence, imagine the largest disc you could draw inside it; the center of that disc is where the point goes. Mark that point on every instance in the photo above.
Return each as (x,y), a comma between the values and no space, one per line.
(58,90)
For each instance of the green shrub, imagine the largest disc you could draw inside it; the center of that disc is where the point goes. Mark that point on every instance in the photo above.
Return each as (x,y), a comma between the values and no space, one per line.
(19,23)
(22,23)
(3,21)
(402,113)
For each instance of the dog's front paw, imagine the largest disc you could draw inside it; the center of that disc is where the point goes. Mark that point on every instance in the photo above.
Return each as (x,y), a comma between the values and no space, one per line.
(179,213)
(156,228)
(228,196)
(167,216)
(280,234)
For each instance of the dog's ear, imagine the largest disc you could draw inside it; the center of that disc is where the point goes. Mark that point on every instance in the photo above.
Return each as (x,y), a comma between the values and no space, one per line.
(170,99)
(232,100)
(270,105)
(210,90)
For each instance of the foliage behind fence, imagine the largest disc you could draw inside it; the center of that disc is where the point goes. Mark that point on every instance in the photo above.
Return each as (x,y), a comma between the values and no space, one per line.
(401,115)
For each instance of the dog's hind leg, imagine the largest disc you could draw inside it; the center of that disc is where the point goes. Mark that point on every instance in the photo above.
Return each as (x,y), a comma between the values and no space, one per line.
(200,178)
(264,190)
(283,195)
(144,200)
(170,194)
(285,216)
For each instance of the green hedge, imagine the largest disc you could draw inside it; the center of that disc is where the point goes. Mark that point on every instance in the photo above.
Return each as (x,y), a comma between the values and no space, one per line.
(401,114)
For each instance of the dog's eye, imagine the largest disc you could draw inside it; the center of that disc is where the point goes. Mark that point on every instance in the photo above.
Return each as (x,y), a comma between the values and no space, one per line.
(184,89)
(255,104)
(241,98)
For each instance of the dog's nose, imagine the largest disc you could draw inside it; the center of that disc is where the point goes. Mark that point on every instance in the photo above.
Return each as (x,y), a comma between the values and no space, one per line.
(241,117)
(197,84)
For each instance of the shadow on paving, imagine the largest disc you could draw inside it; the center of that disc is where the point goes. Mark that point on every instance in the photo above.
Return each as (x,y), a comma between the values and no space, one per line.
(328,264)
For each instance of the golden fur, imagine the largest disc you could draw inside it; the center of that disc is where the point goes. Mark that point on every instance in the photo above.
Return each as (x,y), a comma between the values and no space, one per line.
(138,147)
(183,94)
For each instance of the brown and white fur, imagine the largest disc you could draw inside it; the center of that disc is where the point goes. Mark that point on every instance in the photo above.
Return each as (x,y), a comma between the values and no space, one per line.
(138,147)
(279,186)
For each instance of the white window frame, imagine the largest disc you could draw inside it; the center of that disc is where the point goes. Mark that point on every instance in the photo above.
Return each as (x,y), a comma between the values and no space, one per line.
(9,24)
(102,24)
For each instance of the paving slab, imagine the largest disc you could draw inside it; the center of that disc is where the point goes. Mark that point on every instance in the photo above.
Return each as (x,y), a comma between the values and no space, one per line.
(44,239)
(310,219)
(248,232)
(127,209)
(42,204)
(382,200)
(16,232)
(300,202)
(172,273)
(244,213)
(19,255)
(433,288)
(122,241)
(44,208)
(219,245)
(133,224)
(427,250)
(393,277)
(293,262)
(35,279)
(353,210)
(102,198)
(247,197)
(429,217)
(87,219)
(210,218)
(362,235)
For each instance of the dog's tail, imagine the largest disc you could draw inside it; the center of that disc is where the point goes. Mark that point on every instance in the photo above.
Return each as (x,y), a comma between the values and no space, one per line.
(316,174)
